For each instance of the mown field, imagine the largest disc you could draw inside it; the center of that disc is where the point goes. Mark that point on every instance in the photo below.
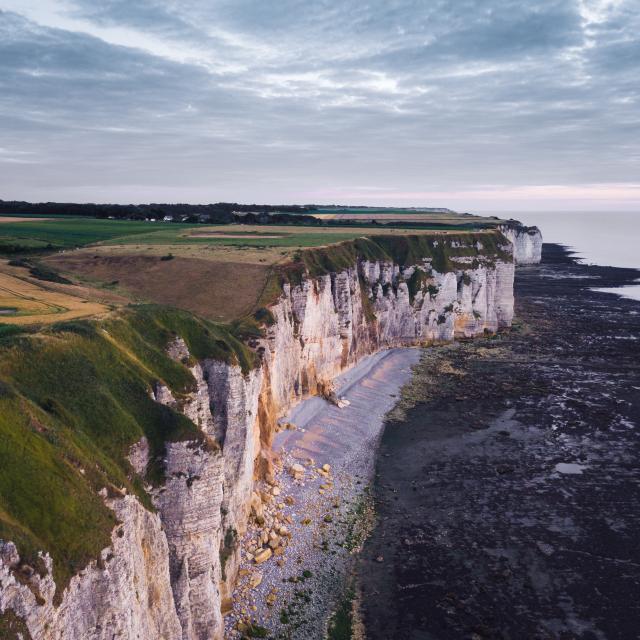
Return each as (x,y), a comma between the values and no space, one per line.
(25,301)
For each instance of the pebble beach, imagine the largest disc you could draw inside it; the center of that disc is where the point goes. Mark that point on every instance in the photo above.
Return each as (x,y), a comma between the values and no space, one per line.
(312,516)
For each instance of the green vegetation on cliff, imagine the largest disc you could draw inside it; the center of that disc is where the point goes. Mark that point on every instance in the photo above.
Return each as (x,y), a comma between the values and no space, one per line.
(73,399)
(405,250)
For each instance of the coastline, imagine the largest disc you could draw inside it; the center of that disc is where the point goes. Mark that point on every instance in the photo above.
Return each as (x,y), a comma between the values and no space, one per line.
(507,499)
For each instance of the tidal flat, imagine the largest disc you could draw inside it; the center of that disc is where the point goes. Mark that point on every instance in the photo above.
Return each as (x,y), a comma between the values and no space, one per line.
(507,487)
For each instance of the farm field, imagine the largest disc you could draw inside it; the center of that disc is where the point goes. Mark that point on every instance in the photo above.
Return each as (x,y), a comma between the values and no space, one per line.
(219,290)
(219,272)
(386,216)
(66,232)
(23,301)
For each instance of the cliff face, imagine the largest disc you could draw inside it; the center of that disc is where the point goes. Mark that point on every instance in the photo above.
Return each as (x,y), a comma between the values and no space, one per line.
(126,593)
(527,242)
(324,325)
(169,574)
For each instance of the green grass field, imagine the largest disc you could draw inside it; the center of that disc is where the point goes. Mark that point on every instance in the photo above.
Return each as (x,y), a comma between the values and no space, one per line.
(67,232)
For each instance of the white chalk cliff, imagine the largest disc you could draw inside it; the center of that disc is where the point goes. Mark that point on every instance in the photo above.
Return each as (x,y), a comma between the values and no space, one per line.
(168,574)
(527,242)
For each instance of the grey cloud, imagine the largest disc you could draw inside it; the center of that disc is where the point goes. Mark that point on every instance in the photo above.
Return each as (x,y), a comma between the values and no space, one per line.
(408,95)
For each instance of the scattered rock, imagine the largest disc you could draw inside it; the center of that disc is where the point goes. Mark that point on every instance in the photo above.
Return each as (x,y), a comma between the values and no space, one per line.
(297,471)
(545,548)
(255,580)
(263,555)
(505,468)
(274,542)
(257,510)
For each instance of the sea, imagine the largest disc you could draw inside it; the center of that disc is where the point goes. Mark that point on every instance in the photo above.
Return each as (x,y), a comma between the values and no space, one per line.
(605,238)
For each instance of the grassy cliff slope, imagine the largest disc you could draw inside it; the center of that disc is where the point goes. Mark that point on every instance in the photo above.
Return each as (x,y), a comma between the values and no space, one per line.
(73,398)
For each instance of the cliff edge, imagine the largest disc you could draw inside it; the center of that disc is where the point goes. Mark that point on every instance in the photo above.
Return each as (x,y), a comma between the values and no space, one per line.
(159,470)
(527,242)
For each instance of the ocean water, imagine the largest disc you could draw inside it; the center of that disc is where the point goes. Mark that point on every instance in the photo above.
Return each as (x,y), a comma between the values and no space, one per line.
(603,238)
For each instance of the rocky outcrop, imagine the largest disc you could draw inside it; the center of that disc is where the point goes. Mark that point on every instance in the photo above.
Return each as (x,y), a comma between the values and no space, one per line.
(204,501)
(527,242)
(126,593)
(169,574)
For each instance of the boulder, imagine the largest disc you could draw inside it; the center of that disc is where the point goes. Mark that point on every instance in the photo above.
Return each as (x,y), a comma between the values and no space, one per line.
(296,471)
(255,580)
(263,555)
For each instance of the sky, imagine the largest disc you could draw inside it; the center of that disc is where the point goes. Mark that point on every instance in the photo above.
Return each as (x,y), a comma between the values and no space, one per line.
(485,105)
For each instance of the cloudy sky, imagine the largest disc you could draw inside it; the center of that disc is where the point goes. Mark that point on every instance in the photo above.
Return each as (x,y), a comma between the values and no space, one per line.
(473,104)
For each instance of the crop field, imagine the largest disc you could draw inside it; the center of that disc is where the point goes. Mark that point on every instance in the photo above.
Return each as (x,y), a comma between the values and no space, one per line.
(218,290)
(286,236)
(63,232)
(219,272)
(29,234)
(23,301)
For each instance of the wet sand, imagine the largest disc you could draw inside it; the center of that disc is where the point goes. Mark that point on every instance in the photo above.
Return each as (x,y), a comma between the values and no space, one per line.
(508,501)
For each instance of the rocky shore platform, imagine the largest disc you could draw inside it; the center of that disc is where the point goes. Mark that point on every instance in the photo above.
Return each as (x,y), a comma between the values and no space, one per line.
(507,490)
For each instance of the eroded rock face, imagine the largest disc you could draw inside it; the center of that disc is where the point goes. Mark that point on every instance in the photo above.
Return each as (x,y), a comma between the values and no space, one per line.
(527,242)
(127,594)
(168,575)
(327,324)
(205,500)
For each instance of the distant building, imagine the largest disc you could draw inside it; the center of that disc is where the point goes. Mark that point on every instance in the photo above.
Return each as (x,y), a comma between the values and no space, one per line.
(168,219)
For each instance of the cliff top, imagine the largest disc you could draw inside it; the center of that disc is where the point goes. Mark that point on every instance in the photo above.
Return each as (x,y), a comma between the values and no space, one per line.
(65,267)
